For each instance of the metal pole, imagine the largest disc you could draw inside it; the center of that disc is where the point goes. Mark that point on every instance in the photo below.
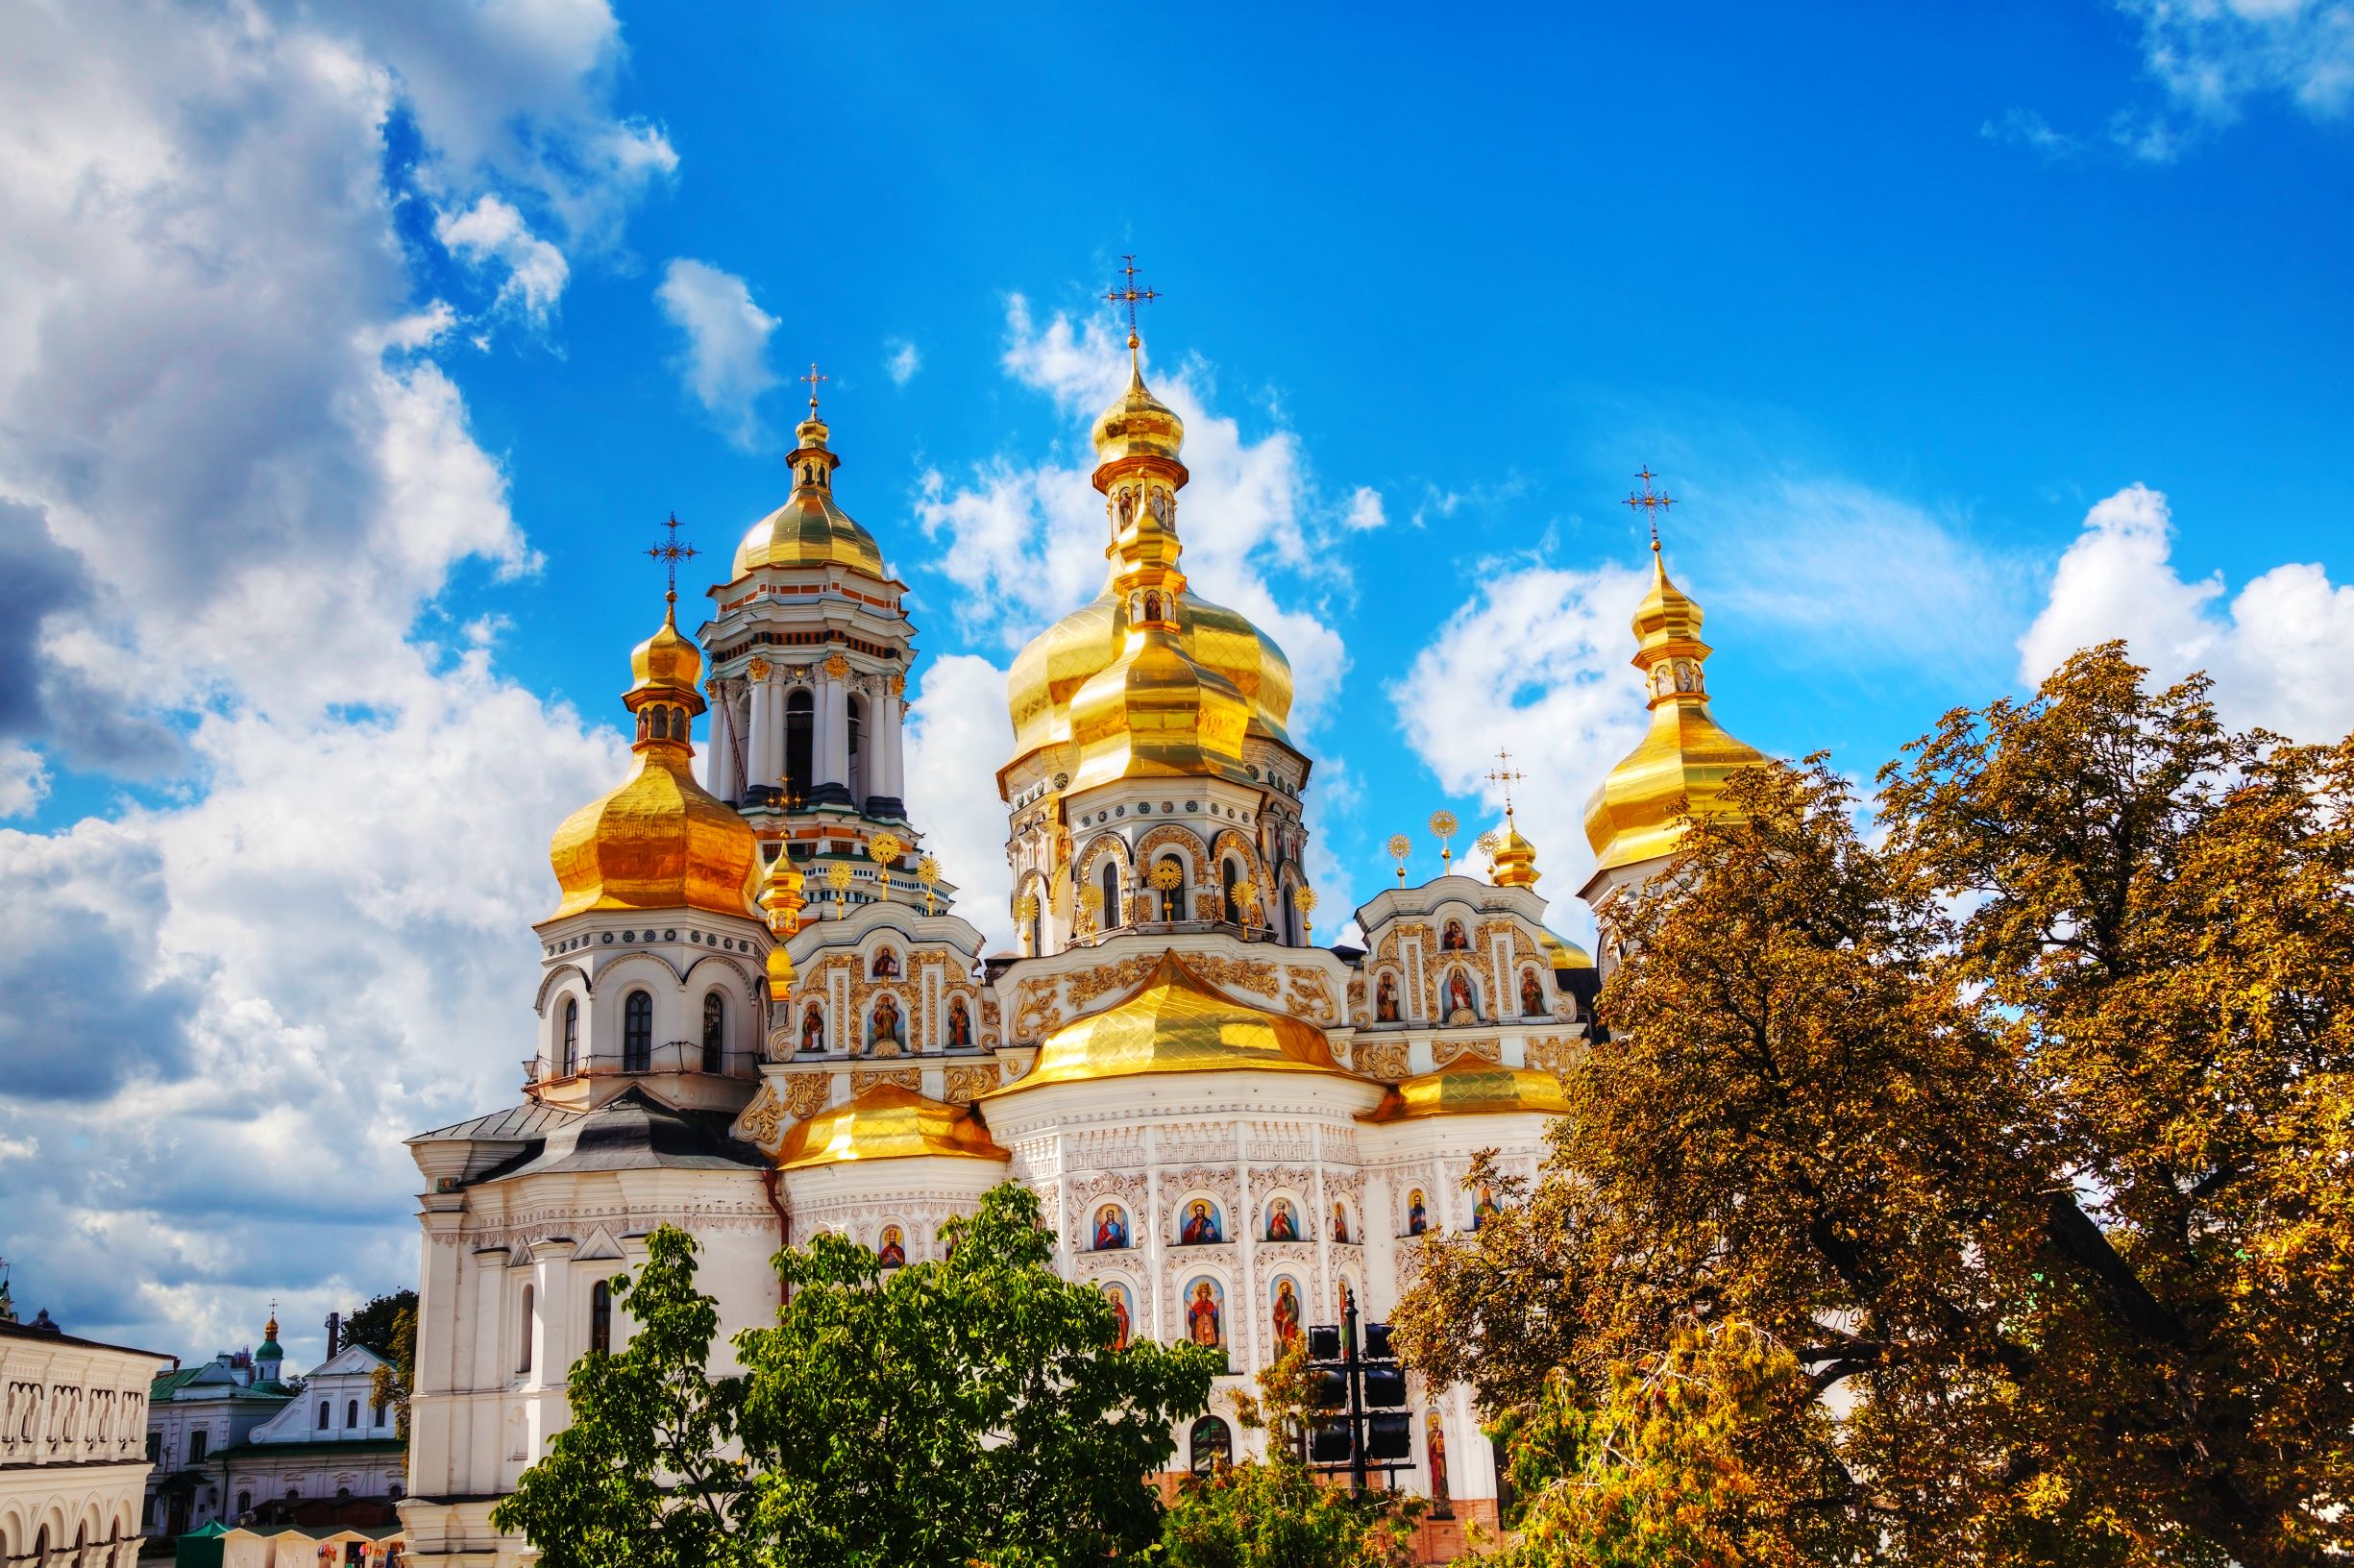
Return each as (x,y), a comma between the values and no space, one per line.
(1356,1395)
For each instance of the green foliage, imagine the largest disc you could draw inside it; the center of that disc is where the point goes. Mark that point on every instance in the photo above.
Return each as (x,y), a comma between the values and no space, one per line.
(2024,1129)
(373,1324)
(953,1413)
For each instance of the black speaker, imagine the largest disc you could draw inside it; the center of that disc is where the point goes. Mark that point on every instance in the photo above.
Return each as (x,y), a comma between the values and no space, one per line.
(1328,1388)
(1389,1436)
(1385,1387)
(1377,1342)
(1323,1342)
(1327,1442)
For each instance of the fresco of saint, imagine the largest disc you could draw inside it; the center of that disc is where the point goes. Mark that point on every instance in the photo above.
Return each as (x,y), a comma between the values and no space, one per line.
(895,1247)
(1285,1314)
(813,1029)
(1280,1225)
(1459,994)
(886,966)
(885,1022)
(1531,995)
(1111,1227)
(1201,1226)
(1453,940)
(1441,1506)
(1417,1216)
(1386,1000)
(1122,1319)
(959,1024)
(1341,1223)
(1202,1317)
(1485,1208)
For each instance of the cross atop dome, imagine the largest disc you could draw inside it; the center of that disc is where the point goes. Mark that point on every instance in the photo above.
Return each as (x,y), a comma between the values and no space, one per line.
(1131,296)
(670,553)
(1651,503)
(813,379)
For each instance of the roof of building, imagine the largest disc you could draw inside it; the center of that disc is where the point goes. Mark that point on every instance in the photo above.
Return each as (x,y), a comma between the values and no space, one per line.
(633,1131)
(888,1122)
(1175,1021)
(53,1335)
(523,1123)
(1470,1086)
(355,1446)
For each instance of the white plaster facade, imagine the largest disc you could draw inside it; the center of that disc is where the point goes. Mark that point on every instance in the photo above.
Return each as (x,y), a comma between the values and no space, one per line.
(73,1448)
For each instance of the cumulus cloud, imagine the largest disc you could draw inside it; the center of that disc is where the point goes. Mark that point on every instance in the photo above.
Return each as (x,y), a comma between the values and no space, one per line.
(901,362)
(958,735)
(2274,647)
(492,231)
(2213,57)
(1365,510)
(1535,664)
(238,482)
(725,360)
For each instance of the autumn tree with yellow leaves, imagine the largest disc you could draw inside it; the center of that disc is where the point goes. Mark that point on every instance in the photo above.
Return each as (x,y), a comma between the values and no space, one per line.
(1986,1182)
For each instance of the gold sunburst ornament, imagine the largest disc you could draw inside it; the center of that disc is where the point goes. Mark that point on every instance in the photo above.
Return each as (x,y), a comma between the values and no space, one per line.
(838,878)
(1488,844)
(883,849)
(1025,911)
(1400,846)
(1444,826)
(1304,900)
(927,873)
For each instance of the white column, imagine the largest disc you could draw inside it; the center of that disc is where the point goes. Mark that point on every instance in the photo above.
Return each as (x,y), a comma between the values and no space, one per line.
(889,777)
(719,771)
(833,748)
(763,736)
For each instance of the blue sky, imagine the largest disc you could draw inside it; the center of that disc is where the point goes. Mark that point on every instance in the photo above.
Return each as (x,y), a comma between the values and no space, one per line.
(350,359)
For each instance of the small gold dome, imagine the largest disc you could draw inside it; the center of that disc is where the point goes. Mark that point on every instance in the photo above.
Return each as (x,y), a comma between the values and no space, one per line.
(1176,1022)
(1515,860)
(661,841)
(1469,1087)
(1684,757)
(809,529)
(888,1122)
(1136,425)
(1565,955)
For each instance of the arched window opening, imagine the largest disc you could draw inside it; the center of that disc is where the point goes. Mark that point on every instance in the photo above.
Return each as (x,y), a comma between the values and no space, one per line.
(522,1351)
(1292,917)
(568,1062)
(351,1415)
(638,1032)
(600,1317)
(1038,934)
(715,1031)
(1111,914)
(326,1417)
(198,1441)
(245,1504)
(646,723)
(375,1414)
(1172,871)
(857,780)
(1230,874)
(799,722)
(1211,1445)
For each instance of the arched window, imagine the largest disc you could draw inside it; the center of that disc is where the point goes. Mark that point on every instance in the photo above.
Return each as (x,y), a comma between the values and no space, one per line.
(638,1032)
(245,1504)
(1173,896)
(1229,874)
(327,1416)
(351,1415)
(600,1317)
(1212,1445)
(715,1031)
(1292,917)
(523,1352)
(197,1443)
(857,781)
(568,1062)
(1111,914)
(1038,932)
(375,1414)
(798,730)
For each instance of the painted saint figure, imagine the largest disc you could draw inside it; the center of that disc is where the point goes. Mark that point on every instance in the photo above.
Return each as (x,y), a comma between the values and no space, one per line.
(1202,1326)
(1111,1227)
(1201,1226)
(960,1025)
(1531,995)
(813,1029)
(1341,1223)
(1417,1216)
(1386,1000)
(1441,1506)
(885,1025)
(1485,1208)
(886,966)
(1122,1319)
(895,1247)
(1459,994)
(1285,1314)
(1281,1226)
(1453,939)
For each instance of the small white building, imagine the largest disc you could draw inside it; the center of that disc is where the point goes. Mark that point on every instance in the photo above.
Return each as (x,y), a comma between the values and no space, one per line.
(325,1455)
(72,1433)
(194,1416)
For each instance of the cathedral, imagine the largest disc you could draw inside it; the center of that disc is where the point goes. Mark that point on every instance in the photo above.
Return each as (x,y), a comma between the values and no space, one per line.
(760,1017)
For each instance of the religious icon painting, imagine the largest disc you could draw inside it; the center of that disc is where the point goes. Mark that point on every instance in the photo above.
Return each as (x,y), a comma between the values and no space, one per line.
(1201,1227)
(1453,940)
(1485,1208)
(1205,1313)
(813,1028)
(893,1251)
(1111,1227)
(1341,1222)
(1284,1312)
(1283,1223)
(1417,1212)
(1386,1000)
(959,1024)
(1531,995)
(886,966)
(885,1027)
(1123,1313)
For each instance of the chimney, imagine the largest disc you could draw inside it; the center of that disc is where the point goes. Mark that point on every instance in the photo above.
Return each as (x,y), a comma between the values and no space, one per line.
(335,1333)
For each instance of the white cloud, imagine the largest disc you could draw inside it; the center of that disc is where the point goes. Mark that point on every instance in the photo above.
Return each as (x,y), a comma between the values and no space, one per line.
(1535,664)
(237,485)
(957,736)
(24,779)
(492,230)
(2026,128)
(1365,510)
(901,362)
(2275,648)
(2212,57)
(725,363)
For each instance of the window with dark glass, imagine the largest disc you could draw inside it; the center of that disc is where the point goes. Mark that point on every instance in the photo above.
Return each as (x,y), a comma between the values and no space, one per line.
(601,1316)
(198,1441)
(715,1031)
(1111,895)
(351,1415)
(800,730)
(638,1032)
(523,1355)
(327,1415)
(570,1061)
(1212,1445)
(1230,875)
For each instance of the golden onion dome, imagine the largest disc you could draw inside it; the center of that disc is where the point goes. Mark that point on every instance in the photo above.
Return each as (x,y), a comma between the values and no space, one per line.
(1136,425)
(888,1122)
(1468,1086)
(661,841)
(1564,954)
(1684,756)
(1515,859)
(1155,713)
(810,529)
(1176,1022)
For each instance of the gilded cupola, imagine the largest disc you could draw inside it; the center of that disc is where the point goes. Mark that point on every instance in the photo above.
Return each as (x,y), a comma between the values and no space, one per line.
(1148,679)
(661,841)
(1175,1021)
(810,529)
(1685,755)
(1468,1086)
(1514,861)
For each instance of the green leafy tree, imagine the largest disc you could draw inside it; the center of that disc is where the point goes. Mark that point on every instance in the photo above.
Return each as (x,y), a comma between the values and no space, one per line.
(2025,1131)
(951,1414)
(1276,1513)
(373,1325)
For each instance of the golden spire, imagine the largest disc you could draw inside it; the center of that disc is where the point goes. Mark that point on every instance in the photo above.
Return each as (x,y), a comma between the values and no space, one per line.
(813,379)
(1685,756)
(782,902)
(1513,864)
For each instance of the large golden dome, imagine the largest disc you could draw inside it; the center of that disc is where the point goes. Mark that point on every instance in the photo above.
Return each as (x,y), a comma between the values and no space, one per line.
(661,841)
(1137,469)
(888,1122)
(1685,756)
(1469,1087)
(809,529)
(1176,1022)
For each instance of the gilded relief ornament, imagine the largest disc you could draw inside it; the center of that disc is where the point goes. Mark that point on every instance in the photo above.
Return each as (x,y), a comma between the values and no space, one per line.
(963,1084)
(1304,900)
(1553,1053)
(866,1078)
(762,1120)
(897,685)
(1444,826)
(1399,847)
(927,873)
(1481,1050)
(806,1093)
(1385,1060)
(837,666)
(838,878)
(757,670)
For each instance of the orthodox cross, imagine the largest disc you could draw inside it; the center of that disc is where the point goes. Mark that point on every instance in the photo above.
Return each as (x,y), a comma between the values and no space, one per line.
(1130,295)
(813,379)
(1506,775)
(1652,503)
(670,553)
